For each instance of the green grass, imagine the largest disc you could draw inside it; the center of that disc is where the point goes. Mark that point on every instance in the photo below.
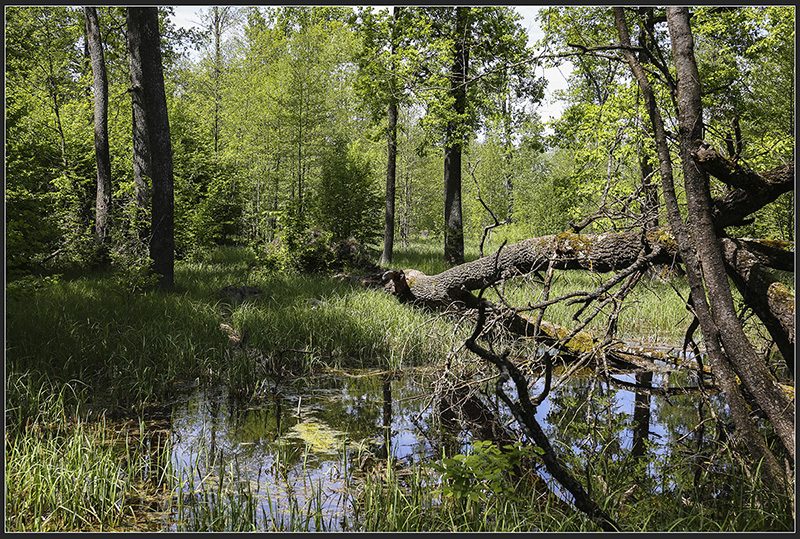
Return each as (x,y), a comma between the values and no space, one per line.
(653,313)
(84,345)
(128,348)
(66,473)
(410,502)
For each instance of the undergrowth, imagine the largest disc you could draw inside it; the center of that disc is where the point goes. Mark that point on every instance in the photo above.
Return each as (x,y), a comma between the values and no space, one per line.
(84,347)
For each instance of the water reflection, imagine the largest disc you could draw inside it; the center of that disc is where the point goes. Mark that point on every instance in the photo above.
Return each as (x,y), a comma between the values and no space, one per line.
(305,440)
(298,443)
(641,415)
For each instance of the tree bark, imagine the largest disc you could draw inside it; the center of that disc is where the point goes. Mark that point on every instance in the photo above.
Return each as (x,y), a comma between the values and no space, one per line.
(649,187)
(454,226)
(770,300)
(724,373)
(391,157)
(145,51)
(141,144)
(565,251)
(101,150)
(749,188)
(753,372)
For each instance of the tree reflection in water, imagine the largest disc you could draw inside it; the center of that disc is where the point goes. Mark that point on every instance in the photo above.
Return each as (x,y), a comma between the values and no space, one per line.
(608,436)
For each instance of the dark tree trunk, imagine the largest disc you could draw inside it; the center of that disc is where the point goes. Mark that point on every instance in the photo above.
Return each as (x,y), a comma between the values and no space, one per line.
(724,373)
(144,41)
(391,158)
(102,154)
(649,187)
(141,145)
(641,415)
(454,226)
(391,167)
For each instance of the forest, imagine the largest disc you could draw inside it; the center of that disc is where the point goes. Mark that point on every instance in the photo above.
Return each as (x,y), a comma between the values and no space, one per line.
(328,268)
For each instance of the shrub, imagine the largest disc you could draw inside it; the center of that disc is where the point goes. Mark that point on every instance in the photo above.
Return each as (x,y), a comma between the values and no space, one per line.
(347,201)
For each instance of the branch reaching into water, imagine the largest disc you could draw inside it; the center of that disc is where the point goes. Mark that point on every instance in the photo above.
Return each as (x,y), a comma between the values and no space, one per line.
(524,411)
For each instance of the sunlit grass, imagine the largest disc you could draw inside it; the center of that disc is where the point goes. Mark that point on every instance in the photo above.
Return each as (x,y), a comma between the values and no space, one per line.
(391,500)
(129,348)
(79,346)
(306,318)
(653,312)
(65,473)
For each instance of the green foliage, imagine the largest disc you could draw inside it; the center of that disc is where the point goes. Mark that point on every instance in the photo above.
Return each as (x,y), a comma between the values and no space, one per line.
(746,62)
(29,232)
(485,473)
(307,247)
(347,201)
(217,218)
(133,274)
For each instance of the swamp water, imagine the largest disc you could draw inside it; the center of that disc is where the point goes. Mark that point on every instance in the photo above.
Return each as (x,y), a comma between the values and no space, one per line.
(292,459)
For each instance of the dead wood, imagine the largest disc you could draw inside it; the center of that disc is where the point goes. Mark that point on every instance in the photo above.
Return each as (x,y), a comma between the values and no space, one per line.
(524,411)
(770,300)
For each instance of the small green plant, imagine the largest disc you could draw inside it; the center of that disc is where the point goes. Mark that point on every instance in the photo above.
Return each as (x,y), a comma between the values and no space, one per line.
(306,248)
(348,200)
(133,273)
(485,473)
(27,285)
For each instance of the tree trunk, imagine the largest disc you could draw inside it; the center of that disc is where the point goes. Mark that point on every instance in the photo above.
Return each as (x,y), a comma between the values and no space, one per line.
(391,166)
(770,300)
(603,252)
(391,156)
(141,145)
(649,187)
(101,150)
(145,50)
(454,226)
(725,375)
(753,372)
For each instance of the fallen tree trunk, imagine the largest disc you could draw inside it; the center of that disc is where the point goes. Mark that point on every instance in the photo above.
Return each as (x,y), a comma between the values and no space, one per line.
(565,251)
(772,302)
(624,252)
(628,253)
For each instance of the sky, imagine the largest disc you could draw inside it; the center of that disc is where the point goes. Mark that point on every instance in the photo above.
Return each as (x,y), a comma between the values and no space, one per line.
(188,16)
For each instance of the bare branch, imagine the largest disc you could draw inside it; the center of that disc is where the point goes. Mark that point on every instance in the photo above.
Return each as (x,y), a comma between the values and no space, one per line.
(524,411)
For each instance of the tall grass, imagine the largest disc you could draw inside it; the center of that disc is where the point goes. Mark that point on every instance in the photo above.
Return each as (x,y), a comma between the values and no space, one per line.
(310,319)
(126,349)
(81,346)
(72,474)
(654,312)
(408,501)
(87,345)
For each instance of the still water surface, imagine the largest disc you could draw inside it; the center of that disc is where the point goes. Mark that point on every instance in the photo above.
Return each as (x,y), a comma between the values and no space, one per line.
(307,438)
